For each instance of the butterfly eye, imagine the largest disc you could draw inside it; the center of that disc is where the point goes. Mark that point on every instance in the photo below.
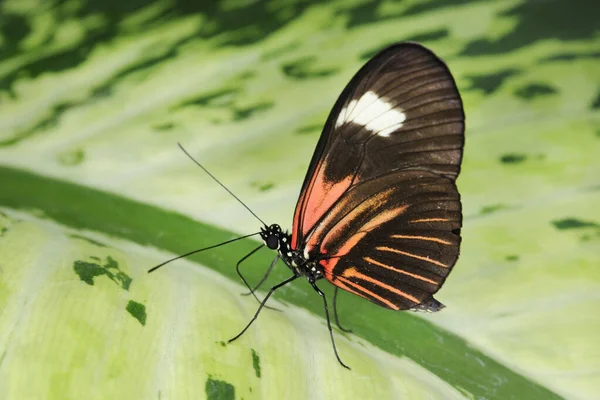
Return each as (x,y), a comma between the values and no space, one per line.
(272,242)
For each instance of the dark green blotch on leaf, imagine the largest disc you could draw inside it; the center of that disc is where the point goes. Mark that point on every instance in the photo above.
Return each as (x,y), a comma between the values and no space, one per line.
(596,103)
(70,158)
(124,279)
(256,362)
(303,69)
(167,126)
(111,263)
(573,223)
(5,223)
(137,311)
(571,56)
(308,129)
(88,271)
(512,257)
(263,186)
(216,98)
(493,208)
(120,277)
(489,83)
(219,390)
(534,90)
(429,36)
(247,112)
(363,13)
(513,158)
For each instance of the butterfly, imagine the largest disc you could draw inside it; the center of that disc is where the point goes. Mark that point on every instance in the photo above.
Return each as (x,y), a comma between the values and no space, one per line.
(379,213)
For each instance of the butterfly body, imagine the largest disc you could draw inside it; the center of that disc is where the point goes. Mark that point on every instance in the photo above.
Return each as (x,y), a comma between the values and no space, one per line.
(275,239)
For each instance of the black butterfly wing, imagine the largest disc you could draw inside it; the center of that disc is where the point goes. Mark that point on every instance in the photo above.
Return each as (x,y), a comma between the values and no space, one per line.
(401,110)
(379,206)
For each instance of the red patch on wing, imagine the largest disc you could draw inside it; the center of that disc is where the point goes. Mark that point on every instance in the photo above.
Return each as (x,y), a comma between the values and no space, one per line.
(319,196)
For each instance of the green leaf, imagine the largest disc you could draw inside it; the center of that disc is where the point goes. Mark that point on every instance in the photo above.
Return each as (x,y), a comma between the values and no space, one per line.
(94,97)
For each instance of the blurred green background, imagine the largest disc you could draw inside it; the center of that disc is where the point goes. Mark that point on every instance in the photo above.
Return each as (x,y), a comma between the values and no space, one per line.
(94,96)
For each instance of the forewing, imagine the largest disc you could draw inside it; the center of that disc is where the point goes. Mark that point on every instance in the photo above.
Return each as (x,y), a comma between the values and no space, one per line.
(393,239)
(400,111)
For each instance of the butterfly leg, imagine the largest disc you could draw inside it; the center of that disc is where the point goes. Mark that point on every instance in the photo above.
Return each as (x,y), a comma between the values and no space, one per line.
(237,268)
(329,324)
(262,304)
(264,278)
(335,313)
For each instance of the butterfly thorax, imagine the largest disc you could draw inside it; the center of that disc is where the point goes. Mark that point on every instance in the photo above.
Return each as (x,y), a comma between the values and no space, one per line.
(275,239)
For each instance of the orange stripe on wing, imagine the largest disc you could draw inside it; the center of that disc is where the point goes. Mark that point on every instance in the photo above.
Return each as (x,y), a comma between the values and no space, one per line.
(430,220)
(350,218)
(330,263)
(400,271)
(383,217)
(350,243)
(405,253)
(341,280)
(428,238)
(353,273)
(339,284)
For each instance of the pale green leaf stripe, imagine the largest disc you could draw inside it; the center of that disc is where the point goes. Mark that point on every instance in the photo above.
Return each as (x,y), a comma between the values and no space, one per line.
(400,334)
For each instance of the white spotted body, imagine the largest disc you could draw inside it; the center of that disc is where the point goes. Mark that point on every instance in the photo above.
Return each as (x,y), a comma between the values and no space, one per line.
(275,239)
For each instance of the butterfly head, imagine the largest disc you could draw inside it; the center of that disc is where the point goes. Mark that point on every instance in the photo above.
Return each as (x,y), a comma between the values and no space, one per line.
(272,236)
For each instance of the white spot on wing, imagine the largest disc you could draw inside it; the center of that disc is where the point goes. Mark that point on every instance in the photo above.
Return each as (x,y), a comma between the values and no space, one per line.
(374,113)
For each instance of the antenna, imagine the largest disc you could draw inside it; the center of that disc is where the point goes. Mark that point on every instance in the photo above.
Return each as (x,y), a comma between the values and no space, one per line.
(199,250)
(223,186)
